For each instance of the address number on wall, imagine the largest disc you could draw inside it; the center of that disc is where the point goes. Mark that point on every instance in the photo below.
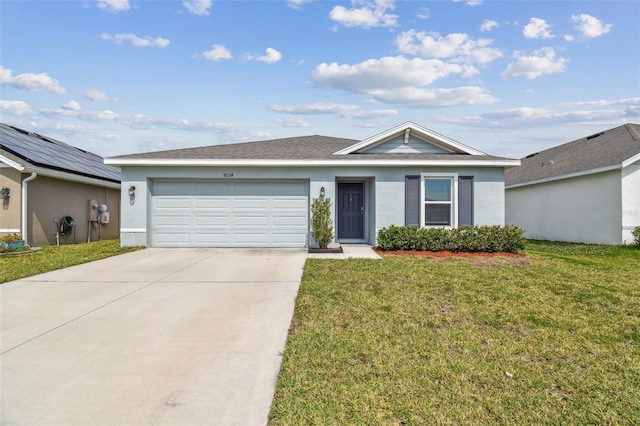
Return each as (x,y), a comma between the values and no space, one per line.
(227,175)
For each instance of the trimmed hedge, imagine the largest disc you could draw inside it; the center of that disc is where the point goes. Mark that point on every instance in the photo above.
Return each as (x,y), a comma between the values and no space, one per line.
(463,239)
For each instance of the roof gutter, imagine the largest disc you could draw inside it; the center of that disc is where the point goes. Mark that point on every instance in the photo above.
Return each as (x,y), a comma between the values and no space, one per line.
(307,163)
(25,193)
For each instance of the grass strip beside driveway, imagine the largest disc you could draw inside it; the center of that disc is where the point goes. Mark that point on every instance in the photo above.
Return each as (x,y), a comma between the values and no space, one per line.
(50,258)
(409,340)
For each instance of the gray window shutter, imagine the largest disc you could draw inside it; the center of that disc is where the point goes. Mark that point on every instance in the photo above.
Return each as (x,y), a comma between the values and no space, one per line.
(465,200)
(412,200)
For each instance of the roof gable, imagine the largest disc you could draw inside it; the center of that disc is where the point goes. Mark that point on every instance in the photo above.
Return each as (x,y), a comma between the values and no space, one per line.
(611,149)
(25,149)
(409,138)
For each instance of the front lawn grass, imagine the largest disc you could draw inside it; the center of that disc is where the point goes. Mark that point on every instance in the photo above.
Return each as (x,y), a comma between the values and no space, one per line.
(49,258)
(415,341)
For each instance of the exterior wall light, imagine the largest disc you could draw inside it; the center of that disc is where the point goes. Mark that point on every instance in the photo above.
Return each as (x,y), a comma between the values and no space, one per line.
(5,193)
(322,192)
(132,191)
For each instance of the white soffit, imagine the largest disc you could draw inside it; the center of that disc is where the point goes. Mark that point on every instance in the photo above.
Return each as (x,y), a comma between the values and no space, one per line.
(463,161)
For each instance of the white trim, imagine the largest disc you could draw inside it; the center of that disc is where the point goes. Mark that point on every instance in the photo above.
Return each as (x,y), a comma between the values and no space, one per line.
(10,230)
(308,163)
(43,171)
(133,229)
(454,197)
(630,161)
(447,142)
(72,177)
(565,176)
(11,163)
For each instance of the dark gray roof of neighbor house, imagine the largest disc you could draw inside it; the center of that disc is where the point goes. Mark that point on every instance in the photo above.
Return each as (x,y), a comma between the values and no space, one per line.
(609,148)
(31,149)
(314,147)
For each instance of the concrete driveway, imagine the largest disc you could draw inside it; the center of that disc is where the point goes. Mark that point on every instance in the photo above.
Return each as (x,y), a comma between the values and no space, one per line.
(159,336)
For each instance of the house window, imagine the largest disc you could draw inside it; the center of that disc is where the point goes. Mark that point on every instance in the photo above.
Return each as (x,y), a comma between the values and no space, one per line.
(439,208)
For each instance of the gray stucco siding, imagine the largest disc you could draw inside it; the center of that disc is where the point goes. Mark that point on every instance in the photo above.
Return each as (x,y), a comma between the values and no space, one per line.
(384,197)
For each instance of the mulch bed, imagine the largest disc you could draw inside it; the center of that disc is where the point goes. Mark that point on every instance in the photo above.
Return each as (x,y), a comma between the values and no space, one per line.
(327,250)
(477,258)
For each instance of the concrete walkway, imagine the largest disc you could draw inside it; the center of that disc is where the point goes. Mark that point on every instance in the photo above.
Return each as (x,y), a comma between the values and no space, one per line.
(159,336)
(349,251)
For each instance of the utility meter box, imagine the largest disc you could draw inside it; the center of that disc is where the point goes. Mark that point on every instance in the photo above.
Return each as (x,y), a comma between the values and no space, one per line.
(104,217)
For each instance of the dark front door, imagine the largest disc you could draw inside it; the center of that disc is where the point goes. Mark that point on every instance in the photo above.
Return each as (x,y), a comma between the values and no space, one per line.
(351,210)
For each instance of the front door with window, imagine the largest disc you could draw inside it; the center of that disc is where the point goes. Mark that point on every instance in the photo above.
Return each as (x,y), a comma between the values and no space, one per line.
(351,210)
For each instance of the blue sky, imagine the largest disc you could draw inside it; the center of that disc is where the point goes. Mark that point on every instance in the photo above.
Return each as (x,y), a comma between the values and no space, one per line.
(506,77)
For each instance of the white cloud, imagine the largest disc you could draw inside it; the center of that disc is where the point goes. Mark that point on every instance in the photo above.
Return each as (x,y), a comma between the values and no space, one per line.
(590,26)
(526,116)
(602,102)
(537,28)
(97,95)
(424,13)
(114,6)
(569,37)
(30,81)
(372,113)
(297,4)
(141,121)
(271,56)
(79,114)
(488,25)
(17,108)
(457,46)
(135,40)
(327,108)
(197,7)
(292,122)
(598,112)
(72,106)
(319,108)
(470,2)
(370,14)
(217,53)
(542,62)
(385,73)
(418,97)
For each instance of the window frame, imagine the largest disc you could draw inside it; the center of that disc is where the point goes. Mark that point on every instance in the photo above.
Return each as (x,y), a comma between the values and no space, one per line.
(453,178)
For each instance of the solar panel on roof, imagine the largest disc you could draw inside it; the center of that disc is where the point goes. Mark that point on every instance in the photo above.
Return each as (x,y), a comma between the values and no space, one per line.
(54,154)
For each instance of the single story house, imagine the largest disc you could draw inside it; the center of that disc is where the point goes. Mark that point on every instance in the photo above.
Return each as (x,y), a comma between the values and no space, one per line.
(258,194)
(586,191)
(53,193)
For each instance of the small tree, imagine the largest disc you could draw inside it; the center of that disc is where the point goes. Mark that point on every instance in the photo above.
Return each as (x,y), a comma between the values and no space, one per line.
(322,228)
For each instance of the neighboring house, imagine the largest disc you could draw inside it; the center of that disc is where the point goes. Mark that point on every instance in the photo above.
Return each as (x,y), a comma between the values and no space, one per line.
(587,190)
(43,180)
(258,194)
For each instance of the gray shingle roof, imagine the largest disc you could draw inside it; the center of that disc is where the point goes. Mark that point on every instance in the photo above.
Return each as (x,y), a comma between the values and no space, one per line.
(31,149)
(609,148)
(296,148)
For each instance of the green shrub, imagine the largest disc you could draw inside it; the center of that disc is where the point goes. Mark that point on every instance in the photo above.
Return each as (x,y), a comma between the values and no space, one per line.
(636,235)
(322,227)
(463,239)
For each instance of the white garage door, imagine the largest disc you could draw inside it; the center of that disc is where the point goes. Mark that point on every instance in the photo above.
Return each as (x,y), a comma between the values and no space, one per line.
(226,213)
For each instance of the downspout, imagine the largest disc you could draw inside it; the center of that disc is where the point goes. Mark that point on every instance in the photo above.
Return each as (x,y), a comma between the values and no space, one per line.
(25,193)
